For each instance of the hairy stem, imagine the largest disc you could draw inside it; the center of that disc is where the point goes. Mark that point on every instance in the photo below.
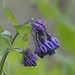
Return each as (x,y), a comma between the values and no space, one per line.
(5,54)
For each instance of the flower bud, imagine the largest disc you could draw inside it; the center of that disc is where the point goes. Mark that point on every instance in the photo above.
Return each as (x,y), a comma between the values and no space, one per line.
(55,42)
(29,58)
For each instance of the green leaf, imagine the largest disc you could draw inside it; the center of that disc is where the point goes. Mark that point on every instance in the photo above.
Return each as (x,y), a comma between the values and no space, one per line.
(3,44)
(7,37)
(20,43)
(9,14)
(23,28)
(15,57)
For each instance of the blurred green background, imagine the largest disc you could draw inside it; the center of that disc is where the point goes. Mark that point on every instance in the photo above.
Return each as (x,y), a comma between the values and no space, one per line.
(60,17)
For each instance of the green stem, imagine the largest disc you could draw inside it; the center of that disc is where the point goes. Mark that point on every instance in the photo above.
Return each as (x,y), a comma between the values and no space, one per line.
(14,37)
(3,60)
(5,54)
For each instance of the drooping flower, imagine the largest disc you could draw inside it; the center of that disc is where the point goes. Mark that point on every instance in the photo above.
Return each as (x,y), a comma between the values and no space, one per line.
(45,43)
(29,58)
(49,45)
(40,49)
(53,40)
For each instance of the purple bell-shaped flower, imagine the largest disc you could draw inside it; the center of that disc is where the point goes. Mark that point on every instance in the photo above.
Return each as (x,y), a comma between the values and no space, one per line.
(29,59)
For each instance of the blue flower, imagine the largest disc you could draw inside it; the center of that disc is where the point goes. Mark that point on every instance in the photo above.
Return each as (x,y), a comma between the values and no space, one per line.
(43,48)
(40,49)
(48,44)
(54,40)
(29,58)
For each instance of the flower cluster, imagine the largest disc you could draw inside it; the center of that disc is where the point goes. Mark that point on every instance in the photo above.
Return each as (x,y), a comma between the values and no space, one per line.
(29,58)
(43,45)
